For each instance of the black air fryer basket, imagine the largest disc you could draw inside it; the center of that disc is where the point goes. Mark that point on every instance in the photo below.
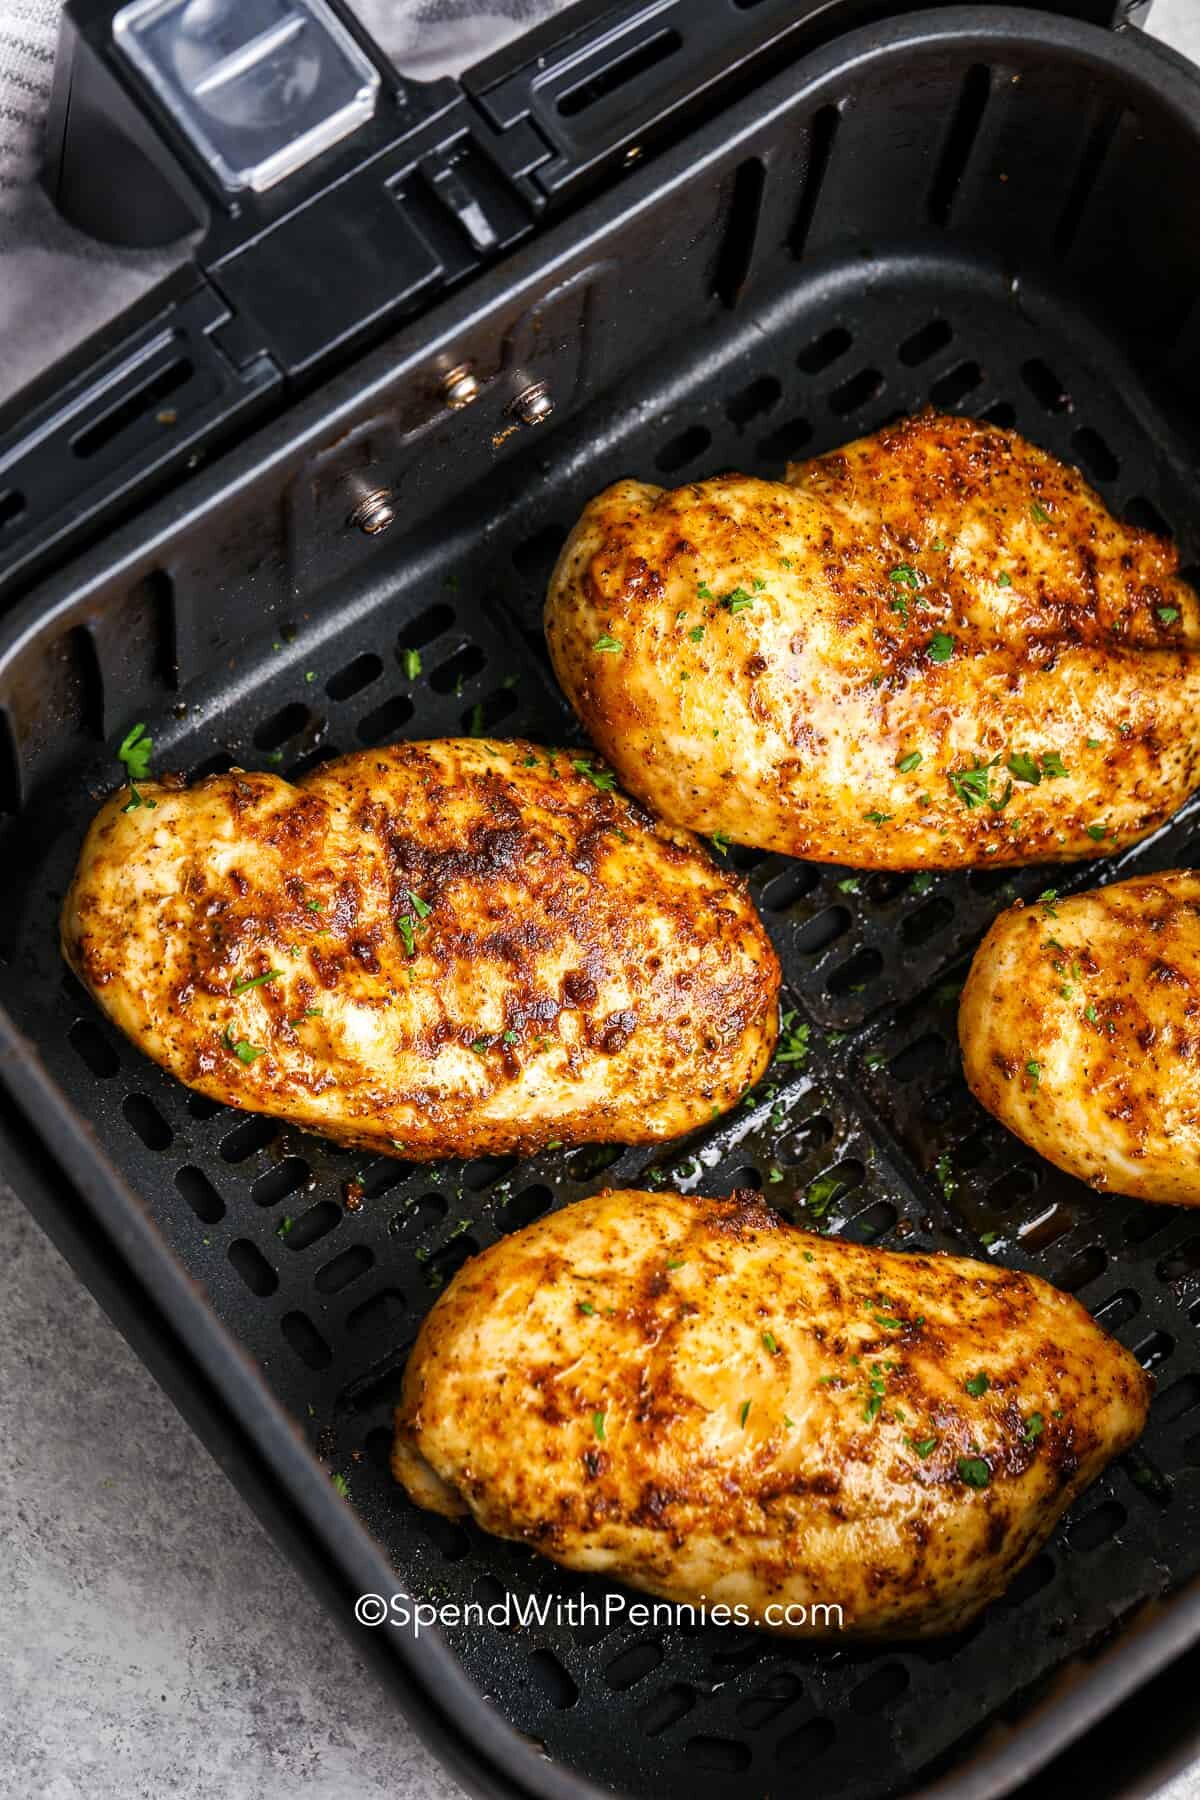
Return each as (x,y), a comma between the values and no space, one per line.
(987,209)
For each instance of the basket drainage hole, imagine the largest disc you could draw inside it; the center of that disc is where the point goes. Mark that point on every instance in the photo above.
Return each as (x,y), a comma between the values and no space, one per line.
(416,1215)
(306,1340)
(752,401)
(824,350)
(925,343)
(724,1756)
(552,1681)
(764,1706)
(246,1139)
(666,1709)
(1146,516)
(380,1315)
(928,920)
(871,1224)
(1119,1310)
(287,723)
(386,720)
(856,975)
(488,712)
(535,556)
(316,1223)
(880,1689)
(1097,458)
(348,1267)
(355,676)
(93,1048)
(442,1265)
(287,1177)
(926,1057)
(1176,1401)
(633,1665)
(684,448)
(1085,1267)
(219,763)
(451,676)
(799,1748)
(786,441)
(425,627)
(592,1160)
(253,1267)
(524,1208)
(1045,386)
(783,890)
(862,388)
(200,1194)
(147,1121)
(1097,1527)
(819,933)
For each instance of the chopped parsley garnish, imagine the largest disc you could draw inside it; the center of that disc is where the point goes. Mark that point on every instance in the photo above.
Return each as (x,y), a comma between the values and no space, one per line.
(410,662)
(1046,900)
(419,906)
(1095,744)
(342,1485)
(1039,514)
(1097,832)
(1168,614)
(696,633)
(586,1308)
(940,647)
(134,751)
(923,1446)
(310,1012)
(1091,1015)
(938,544)
(947,1180)
(971,785)
(285,1225)
(974,1471)
(921,883)
(720,842)
(1034,1072)
(481,1045)
(1034,1426)
(475,720)
(744,1414)
(603,780)
(598,1419)
(822,1193)
(1024,768)
(136,799)
(609,645)
(988,1238)
(977,1384)
(850,885)
(253,981)
(904,575)
(312,906)
(738,600)
(1004,579)
(510,1037)
(774,1174)
(908,763)
(769,1343)
(407,930)
(875,817)
(793,1040)
(676,1262)
(241,1047)
(1053,766)
(704,592)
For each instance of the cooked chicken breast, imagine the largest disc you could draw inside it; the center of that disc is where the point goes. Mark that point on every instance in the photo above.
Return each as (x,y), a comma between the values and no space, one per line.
(698,1399)
(935,648)
(1080,1030)
(439,949)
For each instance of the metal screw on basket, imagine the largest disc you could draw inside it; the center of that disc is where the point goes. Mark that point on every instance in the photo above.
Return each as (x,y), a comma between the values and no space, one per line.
(374,511)
(533,404)
(460,386)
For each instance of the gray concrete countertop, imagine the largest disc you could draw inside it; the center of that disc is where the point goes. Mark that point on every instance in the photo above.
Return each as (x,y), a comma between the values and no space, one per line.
(155,1643)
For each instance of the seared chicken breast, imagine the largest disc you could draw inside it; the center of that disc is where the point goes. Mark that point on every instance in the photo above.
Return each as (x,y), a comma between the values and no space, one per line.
(694,1397)
(439,949)
(933,648)
(1080,1030)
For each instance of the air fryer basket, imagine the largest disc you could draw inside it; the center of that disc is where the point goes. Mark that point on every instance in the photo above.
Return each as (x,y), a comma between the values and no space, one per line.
(992,217)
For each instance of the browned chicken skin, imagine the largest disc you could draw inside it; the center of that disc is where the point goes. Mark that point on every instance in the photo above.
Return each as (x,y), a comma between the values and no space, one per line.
(935,647)
(694,1397)
(440,949)
(1080,1030)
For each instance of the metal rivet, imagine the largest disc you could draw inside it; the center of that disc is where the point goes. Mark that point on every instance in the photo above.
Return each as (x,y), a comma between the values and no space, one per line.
(460,386)
(374,512)
(533,404)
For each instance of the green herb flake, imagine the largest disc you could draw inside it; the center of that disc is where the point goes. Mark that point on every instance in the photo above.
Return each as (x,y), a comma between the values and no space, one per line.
(977,1384)
(769,1344)
(407,930)
(342,1485)
(312,906)
(974,1471)
(988,1238)
(1004,579)
(938,544)
(137,799)
(904,575)
(609,646)
(908,763)
(850,885)
(972,785)
(875,817)
(1095,744)
(744,1414)
(793,1041)
(253,981)
(1046,900)
(1024,768)
(720,843)
(1091,1015)
(1034,1426)
(1097,832)
(598,1419)
(603,780)
(245,1051)
(1038,514)
(940,647)
(1168,614)
(696,633)
(1034,1072)
(134,751)
(586,1308)
(923,1446)
(737,600)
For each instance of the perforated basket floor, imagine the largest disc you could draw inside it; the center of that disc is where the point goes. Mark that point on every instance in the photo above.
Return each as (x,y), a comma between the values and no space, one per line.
(326,1290)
